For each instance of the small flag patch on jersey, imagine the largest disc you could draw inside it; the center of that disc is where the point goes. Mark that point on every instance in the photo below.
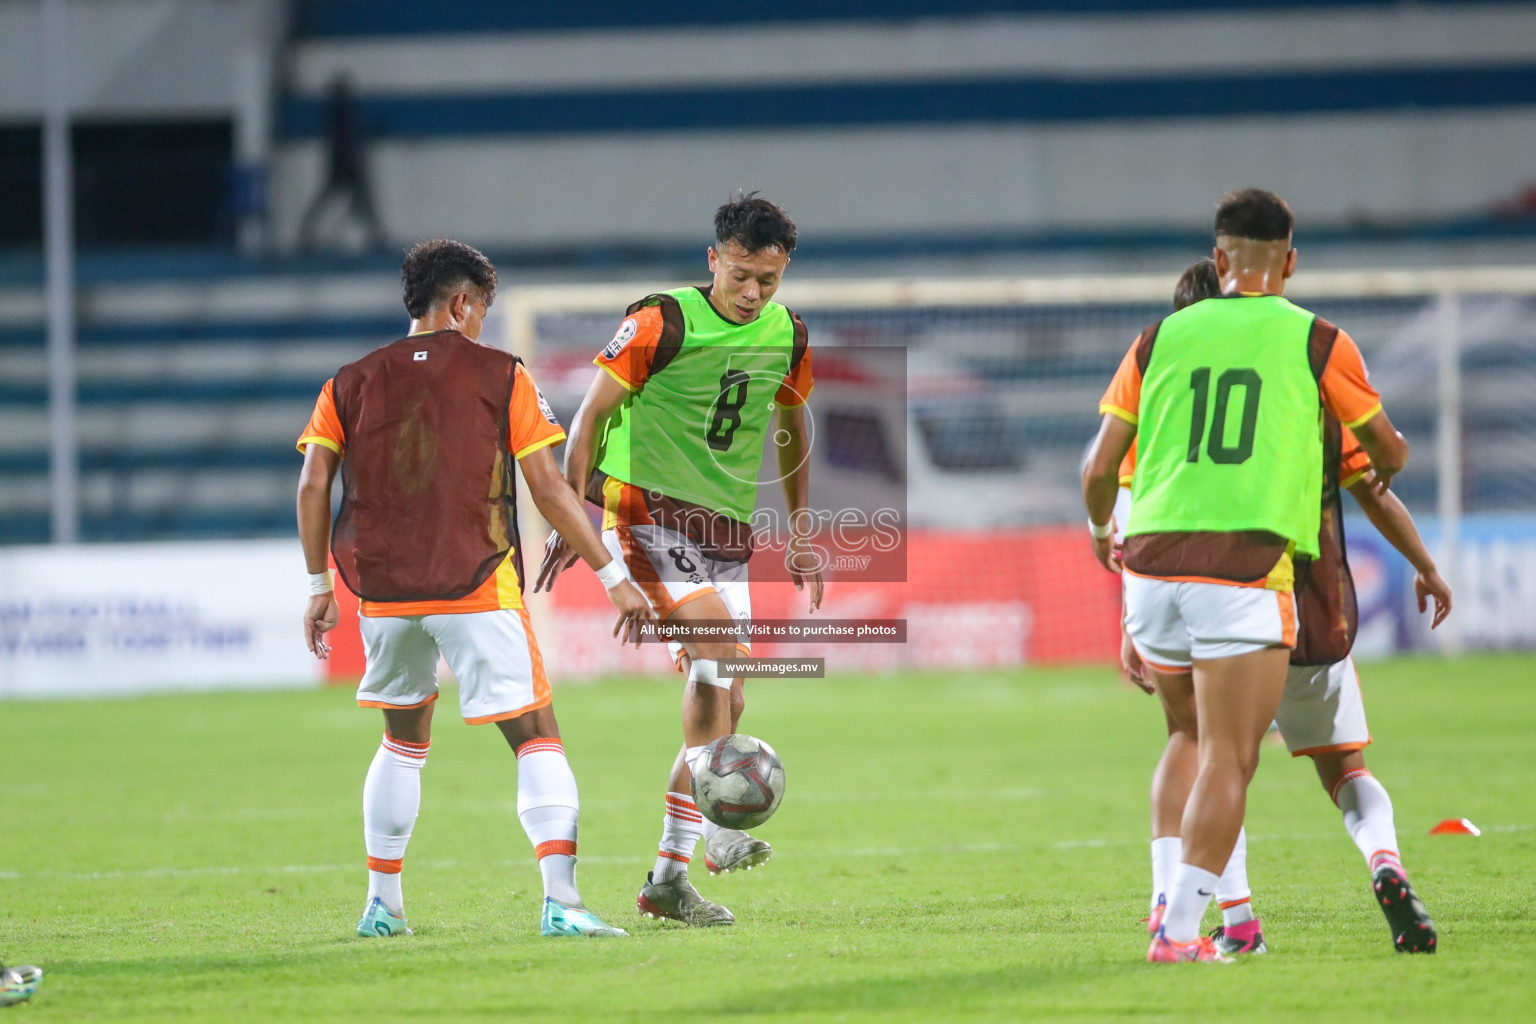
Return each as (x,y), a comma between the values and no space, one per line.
(420,357)
(626,331)
(544,408)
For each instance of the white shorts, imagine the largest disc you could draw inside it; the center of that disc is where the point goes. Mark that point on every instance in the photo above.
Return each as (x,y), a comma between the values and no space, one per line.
(1322,711)
(1173,623)
(670,570)
(493,655)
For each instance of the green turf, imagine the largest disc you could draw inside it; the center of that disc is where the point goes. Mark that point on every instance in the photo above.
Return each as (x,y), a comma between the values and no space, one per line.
(951,846)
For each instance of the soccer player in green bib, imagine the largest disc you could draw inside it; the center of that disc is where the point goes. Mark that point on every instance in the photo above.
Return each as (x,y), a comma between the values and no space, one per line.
(1224,401)
(669,442)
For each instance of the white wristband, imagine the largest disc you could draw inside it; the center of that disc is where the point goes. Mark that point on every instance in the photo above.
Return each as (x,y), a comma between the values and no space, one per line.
(1101,532)
(320,583)
(611,575)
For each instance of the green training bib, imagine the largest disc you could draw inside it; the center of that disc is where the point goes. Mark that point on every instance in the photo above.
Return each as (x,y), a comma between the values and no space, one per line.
(1230,423)
(695,430)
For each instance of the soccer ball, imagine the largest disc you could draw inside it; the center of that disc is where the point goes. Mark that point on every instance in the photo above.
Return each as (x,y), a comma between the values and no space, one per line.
(738,781)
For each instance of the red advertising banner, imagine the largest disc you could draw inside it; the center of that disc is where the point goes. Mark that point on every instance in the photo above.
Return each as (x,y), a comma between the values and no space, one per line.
(991,599)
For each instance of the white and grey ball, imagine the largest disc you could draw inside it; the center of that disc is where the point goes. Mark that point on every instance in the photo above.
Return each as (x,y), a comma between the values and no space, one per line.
(738,781)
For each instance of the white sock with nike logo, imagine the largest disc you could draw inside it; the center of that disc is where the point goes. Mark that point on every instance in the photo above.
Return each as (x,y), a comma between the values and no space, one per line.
(1192,891)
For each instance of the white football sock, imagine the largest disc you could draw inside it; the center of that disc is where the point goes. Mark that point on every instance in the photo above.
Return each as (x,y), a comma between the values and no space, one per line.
(1167,851)
(707,670)
(547,806)
(391,800)
(1192,891)
(1232,893)
(680,831)
(1368,818)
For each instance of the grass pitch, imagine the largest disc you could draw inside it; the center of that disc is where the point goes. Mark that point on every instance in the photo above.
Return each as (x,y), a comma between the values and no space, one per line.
(952,846)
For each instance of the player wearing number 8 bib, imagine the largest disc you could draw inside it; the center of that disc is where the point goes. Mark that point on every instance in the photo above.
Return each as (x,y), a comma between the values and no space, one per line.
(669,443)
(1224,401)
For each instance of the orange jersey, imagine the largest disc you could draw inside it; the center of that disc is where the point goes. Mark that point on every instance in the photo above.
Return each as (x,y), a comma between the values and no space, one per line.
(629,357)
(531,425)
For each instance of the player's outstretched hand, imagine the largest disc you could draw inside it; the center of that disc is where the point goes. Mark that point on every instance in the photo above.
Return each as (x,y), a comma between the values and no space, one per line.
(558,556)
(804,566)
(320,617)
(634,612)
(1428,585)
(1130,663)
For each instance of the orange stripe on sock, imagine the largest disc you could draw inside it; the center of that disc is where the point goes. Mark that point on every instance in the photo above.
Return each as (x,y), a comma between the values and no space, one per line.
(408,743)
(543,743)
(388,867)
(674,856)
(1229,904)
(555,846)
(1347,777)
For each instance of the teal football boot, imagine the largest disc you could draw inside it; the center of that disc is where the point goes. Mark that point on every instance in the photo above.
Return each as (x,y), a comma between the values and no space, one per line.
(560,919)
(377,920)
(18,984)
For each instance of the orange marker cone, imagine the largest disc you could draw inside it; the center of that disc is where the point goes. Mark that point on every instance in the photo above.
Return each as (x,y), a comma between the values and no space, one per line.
(1455,827)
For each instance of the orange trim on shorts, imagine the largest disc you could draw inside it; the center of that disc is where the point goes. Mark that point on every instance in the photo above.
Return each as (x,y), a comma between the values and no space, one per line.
(505,715)
(386,867)
(1287,618)
(741,649)
(386,706)
(540,680)
(1337,748)
(1255,585)
(565,847)
(673,856)
(707,589)
(1168,670)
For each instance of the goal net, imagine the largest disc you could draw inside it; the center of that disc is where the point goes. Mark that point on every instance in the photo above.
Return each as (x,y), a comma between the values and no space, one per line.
(969,403)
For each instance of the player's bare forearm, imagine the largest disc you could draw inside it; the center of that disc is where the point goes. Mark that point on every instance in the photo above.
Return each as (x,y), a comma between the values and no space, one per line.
(1387,448)
(602,397)
(561,508)
(794,467)
(314,505)
(1101,467)
(314,515)
(1393,521)
(795,475)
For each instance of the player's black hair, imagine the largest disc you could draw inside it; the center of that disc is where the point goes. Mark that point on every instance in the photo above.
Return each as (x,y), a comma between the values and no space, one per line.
(433,270)
(1255,214)
(1198,282)
(754,224)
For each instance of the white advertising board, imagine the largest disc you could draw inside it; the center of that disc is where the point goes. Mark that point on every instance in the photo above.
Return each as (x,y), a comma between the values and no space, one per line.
(121,619)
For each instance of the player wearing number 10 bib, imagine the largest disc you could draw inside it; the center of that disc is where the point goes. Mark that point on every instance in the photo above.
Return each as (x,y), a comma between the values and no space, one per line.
(1321,714)
(1225,401)
(669,443)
